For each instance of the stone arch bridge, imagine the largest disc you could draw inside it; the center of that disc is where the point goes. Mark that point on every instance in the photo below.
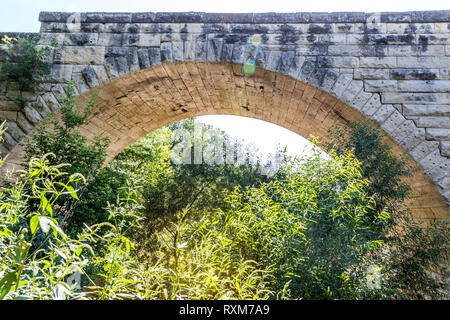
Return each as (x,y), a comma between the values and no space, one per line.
(307,72)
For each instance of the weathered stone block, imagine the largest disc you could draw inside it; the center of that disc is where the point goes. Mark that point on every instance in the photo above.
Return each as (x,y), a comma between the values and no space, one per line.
(143,17)
(445,148)
(59,73)
(433,122)
(380,85)
(47,39)
(14,130)
(423,86)
(444,183)
(321,28)
(177,51)
(439,134)
(423,62)
(377,28)
(412,140)
(393,122)
(352,91)
(371,73)
(423,150)
(429,50)
(80,39)
(8,115)
(378,62)
(400,50)
(80,82)
(432,39)
(50,101)
(23,123)
(405,129)
(47,16)
(148,40)
(90,77)
(32,115)
(329,80)
(91,27)
(341,84)
(201,50)
(394,16)
(440,170)
(337,62)
(3,149)
(419,98)
(103,17)
(426,110)
(383,113)
(372,105)
(310,50)
(430,16)
(8,141)
(444,74)
(414,74)
(53,27)
(345,28)
(189,51)
(430,161)
(80,55)
(360,100)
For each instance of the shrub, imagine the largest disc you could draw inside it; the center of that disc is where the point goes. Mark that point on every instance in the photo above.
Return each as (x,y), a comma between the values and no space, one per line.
(24,65)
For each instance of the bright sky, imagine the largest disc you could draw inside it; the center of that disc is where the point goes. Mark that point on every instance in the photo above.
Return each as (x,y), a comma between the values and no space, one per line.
(22,15)
(264,135)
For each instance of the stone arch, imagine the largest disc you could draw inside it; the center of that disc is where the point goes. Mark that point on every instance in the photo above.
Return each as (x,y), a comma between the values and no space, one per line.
(290,95)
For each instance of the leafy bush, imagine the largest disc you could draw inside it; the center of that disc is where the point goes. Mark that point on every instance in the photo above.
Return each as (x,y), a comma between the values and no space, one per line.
(33,268)
(304,237)
(310,228)
(415,260)
(24,65)
(60,136)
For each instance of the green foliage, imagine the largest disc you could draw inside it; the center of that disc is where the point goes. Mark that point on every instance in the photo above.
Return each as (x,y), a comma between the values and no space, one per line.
(60,136)
(29,272)
(414,263)
(24,65)
(303,237)
(310,228)
(177,270)
(44,271)
(383,169)
(168,188)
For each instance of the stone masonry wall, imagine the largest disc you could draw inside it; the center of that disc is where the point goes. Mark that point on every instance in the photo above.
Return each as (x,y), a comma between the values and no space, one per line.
(392,67)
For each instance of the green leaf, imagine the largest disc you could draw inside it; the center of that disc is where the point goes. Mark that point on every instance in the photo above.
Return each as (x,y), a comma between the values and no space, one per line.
(34,224)
(6,283)
(72,192)
(46,205)
(79,250)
